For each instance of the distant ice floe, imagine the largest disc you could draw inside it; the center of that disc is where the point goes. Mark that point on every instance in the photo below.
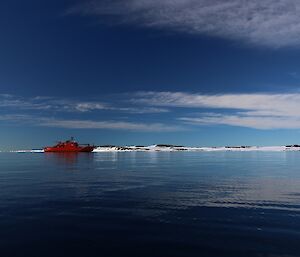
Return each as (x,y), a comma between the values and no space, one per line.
(171,148)
(174,148)
(28,151)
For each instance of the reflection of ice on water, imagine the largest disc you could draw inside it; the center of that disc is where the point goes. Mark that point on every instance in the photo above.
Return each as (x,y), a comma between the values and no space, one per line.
(106,156)
(131,156)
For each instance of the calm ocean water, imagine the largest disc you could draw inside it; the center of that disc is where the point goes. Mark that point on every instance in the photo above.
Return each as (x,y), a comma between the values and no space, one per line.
(154,204)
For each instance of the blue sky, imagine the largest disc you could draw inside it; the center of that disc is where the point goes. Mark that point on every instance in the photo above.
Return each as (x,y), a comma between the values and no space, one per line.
(144,72)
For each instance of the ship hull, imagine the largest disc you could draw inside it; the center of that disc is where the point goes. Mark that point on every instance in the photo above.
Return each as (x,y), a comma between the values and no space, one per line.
(86,149)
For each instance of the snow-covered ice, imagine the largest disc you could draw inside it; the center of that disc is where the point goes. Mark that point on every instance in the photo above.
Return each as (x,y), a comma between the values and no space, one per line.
(158,148)
(28,151)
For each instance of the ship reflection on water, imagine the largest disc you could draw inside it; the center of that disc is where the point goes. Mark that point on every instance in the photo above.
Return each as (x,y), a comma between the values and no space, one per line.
(68,158)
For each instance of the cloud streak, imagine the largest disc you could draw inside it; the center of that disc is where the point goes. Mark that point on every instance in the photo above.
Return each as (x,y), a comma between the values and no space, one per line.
(272,23)
(89,124)
(118,125)
(66,105)
(33,111)
(259,104)
(242,120)
(260,111)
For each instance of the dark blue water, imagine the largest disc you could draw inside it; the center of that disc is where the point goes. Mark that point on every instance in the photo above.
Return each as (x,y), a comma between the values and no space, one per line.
(150,204)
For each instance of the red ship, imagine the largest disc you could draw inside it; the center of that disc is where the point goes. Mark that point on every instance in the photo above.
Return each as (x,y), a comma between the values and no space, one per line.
(69,146)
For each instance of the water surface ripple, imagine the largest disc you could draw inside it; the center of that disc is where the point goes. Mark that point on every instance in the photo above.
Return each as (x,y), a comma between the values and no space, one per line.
(150,204)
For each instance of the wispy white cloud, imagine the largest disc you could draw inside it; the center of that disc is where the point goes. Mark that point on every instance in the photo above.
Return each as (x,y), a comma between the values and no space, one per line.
(143,110)
(32,111)
(261,111)
(48,103)
(274,23)
(87,106)
(119,125)
(259,104)
(9,101)
(41,103)
(242,120)
(89,124)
